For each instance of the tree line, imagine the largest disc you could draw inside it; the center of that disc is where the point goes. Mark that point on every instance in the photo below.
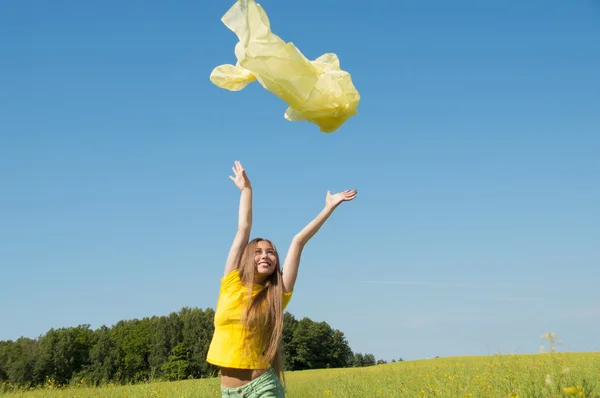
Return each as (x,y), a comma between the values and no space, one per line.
(172,347)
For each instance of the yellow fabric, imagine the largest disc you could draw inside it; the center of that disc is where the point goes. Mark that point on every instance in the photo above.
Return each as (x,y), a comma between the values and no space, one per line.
(227,348)
(316,91)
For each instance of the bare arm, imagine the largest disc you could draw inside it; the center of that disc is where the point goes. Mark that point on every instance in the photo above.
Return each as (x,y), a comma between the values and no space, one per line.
(292,260)
(244,218)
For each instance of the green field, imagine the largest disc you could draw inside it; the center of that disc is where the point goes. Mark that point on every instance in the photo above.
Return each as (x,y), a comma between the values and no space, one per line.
(541,375)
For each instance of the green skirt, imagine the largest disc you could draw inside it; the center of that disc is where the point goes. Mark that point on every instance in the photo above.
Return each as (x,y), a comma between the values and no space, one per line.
(266,385)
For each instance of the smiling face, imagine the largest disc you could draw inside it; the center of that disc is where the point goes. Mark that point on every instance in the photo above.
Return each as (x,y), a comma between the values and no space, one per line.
(265,260)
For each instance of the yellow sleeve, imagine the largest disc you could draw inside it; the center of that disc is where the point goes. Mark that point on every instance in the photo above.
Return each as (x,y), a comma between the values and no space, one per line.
(286,298)
(231,279)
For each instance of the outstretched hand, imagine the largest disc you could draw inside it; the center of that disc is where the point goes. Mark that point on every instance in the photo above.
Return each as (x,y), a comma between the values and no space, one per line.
(240,178)
(336,199)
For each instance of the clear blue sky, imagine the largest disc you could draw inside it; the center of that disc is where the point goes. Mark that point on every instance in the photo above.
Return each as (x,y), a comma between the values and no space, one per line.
(475,153)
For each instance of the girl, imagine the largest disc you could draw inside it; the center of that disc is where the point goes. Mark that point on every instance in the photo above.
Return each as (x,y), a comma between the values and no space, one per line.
(254,291)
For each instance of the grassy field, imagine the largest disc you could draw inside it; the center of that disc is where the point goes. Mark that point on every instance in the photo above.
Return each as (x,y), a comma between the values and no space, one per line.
(542,375)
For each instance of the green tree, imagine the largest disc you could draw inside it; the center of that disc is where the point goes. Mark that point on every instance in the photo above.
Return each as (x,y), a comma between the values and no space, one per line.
(173,347)
(21,359)
(44,366)
(359,360)
(166,334)
(4,351)
(369,360)
(289,348)
(71,352)
(306,344)
(198,329)
(315,345)
(104,362)
(176,367)
(341,353)
(133,343)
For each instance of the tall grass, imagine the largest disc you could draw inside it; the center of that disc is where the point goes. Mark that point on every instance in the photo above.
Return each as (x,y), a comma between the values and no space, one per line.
(511,376)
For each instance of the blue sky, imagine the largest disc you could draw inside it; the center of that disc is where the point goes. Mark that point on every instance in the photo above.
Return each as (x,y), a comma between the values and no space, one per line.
(475,153)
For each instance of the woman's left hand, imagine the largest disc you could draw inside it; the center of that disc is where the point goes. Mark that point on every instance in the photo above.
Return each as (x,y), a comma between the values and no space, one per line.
(335,199)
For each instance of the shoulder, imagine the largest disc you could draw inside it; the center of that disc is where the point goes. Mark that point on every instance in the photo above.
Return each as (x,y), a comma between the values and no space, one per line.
(230,280)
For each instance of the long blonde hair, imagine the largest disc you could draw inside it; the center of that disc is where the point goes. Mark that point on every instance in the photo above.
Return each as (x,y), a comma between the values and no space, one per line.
(264,313)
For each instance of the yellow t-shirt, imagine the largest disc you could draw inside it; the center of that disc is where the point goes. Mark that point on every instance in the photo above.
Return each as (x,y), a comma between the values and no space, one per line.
(228,347)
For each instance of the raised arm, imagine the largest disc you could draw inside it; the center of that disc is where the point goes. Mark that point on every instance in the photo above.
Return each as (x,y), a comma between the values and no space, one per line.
(292,259)
(244,218)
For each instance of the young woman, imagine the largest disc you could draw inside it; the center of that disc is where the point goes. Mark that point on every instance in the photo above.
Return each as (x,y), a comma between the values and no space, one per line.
(254,291)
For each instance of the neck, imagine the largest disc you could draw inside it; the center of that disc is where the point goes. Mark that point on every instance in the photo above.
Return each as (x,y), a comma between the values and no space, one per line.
(260,279)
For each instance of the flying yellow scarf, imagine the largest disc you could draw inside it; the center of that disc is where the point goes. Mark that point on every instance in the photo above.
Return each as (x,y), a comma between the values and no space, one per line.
(316,91)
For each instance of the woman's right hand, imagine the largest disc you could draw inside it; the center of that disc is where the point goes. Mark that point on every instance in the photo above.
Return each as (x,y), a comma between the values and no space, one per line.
(241,179)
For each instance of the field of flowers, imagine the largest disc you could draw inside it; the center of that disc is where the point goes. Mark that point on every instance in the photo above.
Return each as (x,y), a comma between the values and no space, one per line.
(531,376)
